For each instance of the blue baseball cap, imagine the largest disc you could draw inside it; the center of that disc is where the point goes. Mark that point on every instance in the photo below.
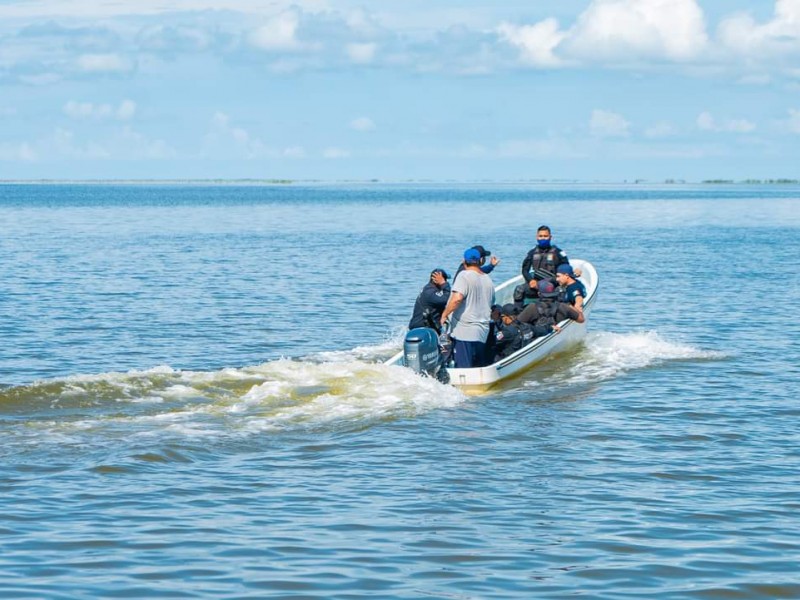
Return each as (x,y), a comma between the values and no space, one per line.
(472,256)
(566,268)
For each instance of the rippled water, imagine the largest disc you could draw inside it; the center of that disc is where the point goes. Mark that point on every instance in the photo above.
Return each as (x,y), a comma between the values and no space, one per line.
(192,400)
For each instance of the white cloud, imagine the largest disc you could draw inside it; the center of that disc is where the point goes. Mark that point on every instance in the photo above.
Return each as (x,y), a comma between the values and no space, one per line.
(64,144)
(361,53)
(604,123)
(362,124)
(741,35)
(114,8)
(17,152)
(126,110)
(548,148)
(104,63)
(634,29)
(707,122)
(614,31)
(334,153)
(294,152)
(662,129)
(278,33)
(138,145)
(794,120)
(89,110)
(739,126)
(41,79)
(536,43)
(228,140)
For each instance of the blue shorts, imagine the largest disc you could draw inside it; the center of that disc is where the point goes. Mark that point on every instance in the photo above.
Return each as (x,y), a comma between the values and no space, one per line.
(469,354)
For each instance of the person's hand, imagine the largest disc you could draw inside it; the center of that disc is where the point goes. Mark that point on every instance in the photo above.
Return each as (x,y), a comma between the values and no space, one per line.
(495,261)
(578,271)
(533,284)
(556,328)
(437,278)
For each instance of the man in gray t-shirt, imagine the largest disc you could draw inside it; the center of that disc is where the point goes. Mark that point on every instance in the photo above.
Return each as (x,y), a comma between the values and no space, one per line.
(470,304)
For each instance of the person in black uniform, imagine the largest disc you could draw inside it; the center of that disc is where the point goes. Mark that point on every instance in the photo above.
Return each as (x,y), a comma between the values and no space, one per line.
(540,263)
(571,290)
(431,301)
(511,335)
(545,315)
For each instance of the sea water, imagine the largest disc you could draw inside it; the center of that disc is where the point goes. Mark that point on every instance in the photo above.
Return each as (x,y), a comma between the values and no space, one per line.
(192,400)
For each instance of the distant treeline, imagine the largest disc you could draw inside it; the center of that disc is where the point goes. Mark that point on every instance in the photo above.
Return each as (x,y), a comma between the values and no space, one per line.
(752,181)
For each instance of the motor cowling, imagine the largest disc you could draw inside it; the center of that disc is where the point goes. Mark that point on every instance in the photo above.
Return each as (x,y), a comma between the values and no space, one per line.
(421,351)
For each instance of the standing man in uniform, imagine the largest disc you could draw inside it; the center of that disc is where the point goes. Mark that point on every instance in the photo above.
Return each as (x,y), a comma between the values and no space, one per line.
(470,305)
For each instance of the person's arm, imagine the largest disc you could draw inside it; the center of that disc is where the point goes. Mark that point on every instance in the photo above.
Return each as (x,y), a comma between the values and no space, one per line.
(575,315)
(456,298)
(436,297)
(526,267)
(493,262)
(578,301)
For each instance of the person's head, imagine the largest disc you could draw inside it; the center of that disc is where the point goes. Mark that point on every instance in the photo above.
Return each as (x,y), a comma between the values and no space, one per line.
(565,274)
(496,312)
(547,291)
(543,236)
(472,257)
(439,272)
(509,312)
(484,253)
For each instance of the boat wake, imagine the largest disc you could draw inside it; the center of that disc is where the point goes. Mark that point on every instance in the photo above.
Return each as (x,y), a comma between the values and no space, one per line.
(278,396)
(334,391)
(605,356)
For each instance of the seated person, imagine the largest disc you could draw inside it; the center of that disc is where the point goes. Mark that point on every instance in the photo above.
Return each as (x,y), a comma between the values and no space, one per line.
(545,315)
(511,335)
(431,301)
(571,290)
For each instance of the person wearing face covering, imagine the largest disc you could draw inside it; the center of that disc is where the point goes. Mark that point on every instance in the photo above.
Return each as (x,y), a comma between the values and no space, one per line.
(541,263)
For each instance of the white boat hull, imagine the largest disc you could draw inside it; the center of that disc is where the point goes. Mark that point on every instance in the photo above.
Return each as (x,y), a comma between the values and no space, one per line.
(571,334)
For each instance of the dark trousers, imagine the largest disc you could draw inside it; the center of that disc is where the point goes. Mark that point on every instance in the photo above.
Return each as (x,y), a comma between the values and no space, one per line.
(469,354)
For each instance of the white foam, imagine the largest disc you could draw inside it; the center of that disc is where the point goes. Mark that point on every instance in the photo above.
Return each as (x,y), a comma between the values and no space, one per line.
(607,355)
(377,352)
(286,395)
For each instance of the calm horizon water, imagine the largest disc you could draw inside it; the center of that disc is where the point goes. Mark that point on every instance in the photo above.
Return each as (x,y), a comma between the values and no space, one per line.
(193,402)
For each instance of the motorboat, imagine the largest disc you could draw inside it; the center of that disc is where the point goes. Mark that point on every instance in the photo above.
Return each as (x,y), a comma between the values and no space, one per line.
(570,333)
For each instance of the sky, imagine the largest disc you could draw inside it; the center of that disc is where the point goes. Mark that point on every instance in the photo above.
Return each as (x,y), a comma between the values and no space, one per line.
(400,90)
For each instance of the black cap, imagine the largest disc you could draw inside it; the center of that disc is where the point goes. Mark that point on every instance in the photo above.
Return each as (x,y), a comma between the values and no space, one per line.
(509,310)
(484,252)
(547,289)
(442,271)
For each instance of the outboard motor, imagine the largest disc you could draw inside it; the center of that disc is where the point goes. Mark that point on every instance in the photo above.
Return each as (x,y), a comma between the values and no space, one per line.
(422,355)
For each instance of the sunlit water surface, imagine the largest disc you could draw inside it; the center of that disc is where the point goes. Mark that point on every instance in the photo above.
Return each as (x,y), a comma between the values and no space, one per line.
(192,400)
